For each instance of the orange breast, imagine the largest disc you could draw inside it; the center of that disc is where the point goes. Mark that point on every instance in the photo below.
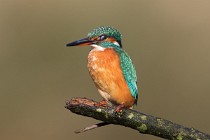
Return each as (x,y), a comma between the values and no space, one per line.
(104,68)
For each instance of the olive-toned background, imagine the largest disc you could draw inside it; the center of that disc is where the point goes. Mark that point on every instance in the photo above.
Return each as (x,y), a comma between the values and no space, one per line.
(169,42)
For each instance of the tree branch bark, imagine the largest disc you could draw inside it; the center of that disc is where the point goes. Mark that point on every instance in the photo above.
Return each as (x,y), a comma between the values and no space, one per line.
(141,122)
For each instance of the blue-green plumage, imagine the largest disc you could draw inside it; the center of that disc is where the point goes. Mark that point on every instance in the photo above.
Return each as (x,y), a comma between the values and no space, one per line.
(105,30)
(129,73)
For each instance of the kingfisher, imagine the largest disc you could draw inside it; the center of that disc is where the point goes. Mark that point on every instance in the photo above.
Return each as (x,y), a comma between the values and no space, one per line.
(110,67)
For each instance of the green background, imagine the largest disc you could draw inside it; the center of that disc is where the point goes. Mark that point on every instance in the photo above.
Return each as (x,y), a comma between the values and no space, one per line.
(168,41)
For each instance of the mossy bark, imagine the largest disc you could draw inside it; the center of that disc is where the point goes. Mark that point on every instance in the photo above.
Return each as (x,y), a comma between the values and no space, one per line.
(141,122)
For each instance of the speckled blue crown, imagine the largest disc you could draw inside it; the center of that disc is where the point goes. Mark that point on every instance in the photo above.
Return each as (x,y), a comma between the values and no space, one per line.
(105,30)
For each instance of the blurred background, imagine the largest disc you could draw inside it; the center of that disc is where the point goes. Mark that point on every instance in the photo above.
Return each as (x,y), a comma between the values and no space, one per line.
(167,40)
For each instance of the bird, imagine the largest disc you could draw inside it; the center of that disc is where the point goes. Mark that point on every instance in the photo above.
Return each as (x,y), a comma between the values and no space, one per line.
(110,67)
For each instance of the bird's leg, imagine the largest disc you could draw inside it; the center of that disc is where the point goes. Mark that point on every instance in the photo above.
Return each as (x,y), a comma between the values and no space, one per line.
(101,103)
(119,108)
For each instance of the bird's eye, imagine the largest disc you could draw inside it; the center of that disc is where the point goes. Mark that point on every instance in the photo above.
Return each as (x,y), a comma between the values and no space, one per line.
(102,37)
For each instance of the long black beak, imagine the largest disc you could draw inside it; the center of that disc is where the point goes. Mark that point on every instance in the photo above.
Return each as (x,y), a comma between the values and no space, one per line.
(81,42)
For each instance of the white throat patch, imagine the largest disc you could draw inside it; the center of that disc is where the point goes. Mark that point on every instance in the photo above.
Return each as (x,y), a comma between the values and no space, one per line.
(97,47)
(116,43)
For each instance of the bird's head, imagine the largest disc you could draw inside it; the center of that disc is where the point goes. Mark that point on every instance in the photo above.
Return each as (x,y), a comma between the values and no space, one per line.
(99,36)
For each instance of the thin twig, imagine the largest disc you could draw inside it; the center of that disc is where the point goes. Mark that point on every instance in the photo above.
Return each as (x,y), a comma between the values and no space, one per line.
(91,127)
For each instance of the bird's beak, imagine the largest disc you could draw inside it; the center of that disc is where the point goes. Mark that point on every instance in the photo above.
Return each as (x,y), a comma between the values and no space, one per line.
(81,42)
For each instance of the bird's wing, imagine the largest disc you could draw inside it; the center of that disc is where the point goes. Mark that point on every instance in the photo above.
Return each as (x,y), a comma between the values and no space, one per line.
(129,73)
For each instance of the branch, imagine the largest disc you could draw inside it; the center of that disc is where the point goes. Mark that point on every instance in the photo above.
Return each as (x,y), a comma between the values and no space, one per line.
(143,123)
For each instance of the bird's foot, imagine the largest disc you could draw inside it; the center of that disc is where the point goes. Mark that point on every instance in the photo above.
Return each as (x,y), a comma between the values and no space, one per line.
(102,103)
(119,108)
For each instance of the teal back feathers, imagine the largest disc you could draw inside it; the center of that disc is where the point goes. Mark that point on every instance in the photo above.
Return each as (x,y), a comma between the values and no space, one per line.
(129,73)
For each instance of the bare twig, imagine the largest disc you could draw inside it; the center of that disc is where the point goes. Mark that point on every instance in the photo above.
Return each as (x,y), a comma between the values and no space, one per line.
(143,123)
(92,127)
